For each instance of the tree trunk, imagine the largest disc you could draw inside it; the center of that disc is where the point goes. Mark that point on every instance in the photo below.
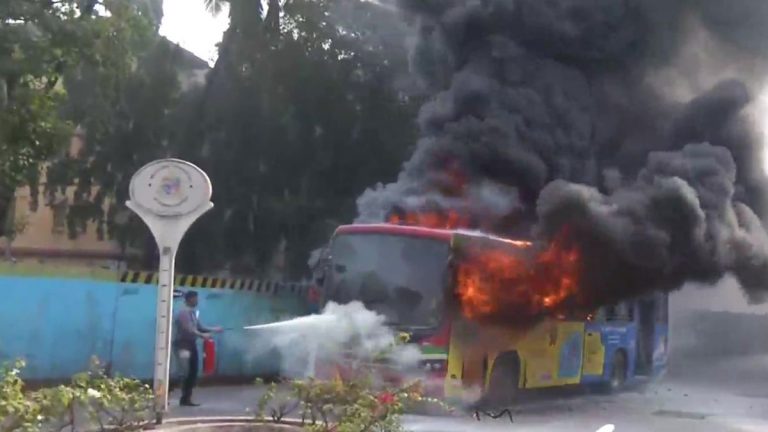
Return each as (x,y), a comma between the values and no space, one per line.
(272,20)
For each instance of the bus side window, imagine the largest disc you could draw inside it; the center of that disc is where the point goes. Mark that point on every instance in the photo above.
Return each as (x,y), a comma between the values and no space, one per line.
(618,312)
(662,309)
(599,315)
(576,315)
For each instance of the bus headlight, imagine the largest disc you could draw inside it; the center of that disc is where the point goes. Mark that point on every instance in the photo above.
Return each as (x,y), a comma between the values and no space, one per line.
(434,365)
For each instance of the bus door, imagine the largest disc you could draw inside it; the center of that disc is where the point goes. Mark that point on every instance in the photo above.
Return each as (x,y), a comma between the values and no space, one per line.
(661,334)
(594,349)
(609,330)
(570,349)
(553,353)
(646,335)
(539,349)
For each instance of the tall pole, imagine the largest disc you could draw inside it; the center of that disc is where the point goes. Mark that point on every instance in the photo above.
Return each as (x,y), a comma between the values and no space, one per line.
(163,330)
(169,195)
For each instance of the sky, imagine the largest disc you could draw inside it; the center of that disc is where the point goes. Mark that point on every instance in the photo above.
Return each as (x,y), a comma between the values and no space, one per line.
(187,23)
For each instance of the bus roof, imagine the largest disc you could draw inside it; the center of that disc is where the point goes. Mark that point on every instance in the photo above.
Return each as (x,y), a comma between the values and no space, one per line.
(405,230)
(417,231)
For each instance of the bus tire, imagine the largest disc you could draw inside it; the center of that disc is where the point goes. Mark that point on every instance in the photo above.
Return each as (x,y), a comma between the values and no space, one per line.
(618,372)
(504,380)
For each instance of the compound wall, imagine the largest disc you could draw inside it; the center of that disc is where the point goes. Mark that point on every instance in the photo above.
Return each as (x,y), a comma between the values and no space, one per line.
(57,324)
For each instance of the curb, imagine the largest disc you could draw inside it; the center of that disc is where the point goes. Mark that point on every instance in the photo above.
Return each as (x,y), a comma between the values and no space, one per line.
(234,427)
(180,424)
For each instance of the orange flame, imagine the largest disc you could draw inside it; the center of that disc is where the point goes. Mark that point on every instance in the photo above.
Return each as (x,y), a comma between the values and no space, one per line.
(499,285)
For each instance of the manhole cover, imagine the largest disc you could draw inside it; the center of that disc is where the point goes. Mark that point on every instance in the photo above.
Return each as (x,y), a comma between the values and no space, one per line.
(681,414)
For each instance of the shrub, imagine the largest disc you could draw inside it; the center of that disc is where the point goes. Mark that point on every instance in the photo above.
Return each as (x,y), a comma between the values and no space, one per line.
(356,405)
(18,412)
(114,403)
(91,400)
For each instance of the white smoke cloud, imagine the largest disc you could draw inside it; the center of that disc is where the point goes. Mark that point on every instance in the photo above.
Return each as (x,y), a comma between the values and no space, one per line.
(348,331)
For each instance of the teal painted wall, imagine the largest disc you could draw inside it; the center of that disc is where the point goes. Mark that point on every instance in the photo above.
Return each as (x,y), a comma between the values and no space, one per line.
(57,325)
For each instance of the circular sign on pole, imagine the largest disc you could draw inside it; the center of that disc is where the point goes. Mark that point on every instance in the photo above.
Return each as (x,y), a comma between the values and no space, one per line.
(169,195)
(170,187)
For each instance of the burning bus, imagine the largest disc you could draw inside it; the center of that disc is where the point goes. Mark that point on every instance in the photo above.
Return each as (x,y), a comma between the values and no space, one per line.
(494,314)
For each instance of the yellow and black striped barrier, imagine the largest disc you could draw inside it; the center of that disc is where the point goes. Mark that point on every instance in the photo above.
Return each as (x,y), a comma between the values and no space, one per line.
(212,282)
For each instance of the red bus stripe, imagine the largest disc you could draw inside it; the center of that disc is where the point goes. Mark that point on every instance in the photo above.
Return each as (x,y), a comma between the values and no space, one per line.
(403,230)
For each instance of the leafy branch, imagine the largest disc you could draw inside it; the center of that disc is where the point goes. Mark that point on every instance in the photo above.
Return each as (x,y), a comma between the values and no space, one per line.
(92,399)
(356,405)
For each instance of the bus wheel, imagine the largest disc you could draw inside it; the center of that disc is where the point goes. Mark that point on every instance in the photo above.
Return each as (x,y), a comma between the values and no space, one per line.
(618,371)
(504,380)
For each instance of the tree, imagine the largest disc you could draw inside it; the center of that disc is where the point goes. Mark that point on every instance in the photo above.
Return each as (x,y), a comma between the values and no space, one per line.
(40,43)
(297,119)
(127,124)
(33,50)
(215,7)
(298,116)
(125,102)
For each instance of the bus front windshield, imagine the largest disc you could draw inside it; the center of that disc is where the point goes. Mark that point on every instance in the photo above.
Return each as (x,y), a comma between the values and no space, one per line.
(400,277)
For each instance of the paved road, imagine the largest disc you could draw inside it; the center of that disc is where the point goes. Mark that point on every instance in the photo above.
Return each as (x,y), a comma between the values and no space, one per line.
(728,396)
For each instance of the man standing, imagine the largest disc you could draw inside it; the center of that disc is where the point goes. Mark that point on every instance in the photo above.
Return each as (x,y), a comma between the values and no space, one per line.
(188,330)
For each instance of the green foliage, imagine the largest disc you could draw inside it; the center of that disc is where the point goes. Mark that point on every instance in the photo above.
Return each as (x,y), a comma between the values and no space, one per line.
(41,43)
(58,406)
(356,405)
(120,102)
(302,111)
(298,119)
(117,403)
(91,400)
(35,44)
(30,131)
(275,402)
(17,411)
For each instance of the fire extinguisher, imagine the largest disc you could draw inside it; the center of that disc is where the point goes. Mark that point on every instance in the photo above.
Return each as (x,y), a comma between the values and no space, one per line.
(209,356)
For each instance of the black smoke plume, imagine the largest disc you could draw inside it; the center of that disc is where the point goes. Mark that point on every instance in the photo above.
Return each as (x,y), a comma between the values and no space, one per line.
(550,112)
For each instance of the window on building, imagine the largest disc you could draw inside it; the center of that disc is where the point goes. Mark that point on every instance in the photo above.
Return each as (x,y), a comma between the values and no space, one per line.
(59,210)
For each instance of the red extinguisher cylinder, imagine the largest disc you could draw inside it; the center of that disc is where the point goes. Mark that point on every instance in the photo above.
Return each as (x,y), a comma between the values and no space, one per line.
(209,356)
